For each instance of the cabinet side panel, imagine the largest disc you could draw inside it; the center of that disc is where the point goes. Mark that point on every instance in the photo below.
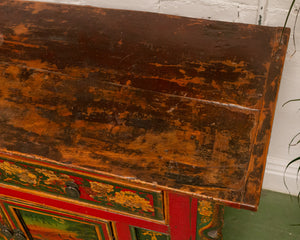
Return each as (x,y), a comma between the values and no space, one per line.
(180,211)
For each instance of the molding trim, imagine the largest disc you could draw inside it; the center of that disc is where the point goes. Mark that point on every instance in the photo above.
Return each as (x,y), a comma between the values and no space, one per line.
(273,179)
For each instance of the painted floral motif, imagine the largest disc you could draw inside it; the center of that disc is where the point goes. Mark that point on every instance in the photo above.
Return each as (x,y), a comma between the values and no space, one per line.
(33,176)
(24,175)
(144,234)
(205,209)
(52,178)
(101,188)
(126,199)
(153,235)
(132,201)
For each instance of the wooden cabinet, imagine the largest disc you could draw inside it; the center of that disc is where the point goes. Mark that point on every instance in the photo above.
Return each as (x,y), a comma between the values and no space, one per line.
(130,125)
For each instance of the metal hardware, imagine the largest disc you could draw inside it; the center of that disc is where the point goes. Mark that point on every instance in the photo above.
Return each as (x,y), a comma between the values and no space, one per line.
(214,234)
(5,230)
(72,190)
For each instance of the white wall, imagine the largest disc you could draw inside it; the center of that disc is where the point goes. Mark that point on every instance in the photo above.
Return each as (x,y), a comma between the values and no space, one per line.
(266,12)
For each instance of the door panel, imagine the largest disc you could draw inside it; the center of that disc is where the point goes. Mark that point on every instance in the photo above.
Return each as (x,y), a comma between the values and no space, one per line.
(48,227)
(42,224)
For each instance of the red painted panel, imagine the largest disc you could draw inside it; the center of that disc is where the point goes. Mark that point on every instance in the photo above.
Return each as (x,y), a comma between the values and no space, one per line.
(182,221)
(123,231)
(194,209)
(86,210)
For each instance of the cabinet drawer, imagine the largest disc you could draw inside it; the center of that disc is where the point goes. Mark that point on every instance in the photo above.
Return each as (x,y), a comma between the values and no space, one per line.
(86,187)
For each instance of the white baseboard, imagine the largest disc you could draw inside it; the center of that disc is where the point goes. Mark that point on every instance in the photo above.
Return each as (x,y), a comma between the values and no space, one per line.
(273,179)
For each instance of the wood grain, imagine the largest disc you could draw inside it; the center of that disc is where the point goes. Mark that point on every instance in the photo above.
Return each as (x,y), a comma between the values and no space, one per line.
(184,104)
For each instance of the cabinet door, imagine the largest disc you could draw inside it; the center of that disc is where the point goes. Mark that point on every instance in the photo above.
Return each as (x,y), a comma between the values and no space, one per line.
(46,224)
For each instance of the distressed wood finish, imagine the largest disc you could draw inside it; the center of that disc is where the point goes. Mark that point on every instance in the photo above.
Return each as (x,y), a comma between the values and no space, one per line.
(183,104)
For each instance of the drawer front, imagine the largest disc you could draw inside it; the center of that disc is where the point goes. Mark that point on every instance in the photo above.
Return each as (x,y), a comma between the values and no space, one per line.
(85,187)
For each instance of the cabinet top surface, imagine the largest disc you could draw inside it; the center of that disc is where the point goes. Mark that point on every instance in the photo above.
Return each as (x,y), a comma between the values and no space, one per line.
(184,104)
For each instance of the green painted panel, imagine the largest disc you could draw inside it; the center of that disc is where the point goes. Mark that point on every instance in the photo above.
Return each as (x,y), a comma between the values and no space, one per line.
(209,221)
(48,227)
(92,190)
(144,234)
